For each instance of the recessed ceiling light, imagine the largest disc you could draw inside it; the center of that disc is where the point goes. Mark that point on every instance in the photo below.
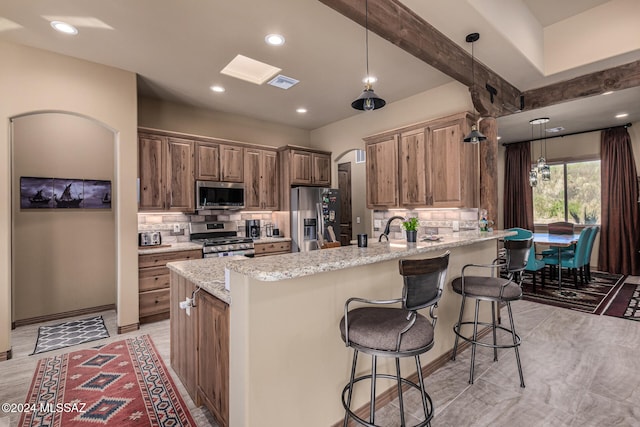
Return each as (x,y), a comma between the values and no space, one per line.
(555,129)
(499,137)
(608,92)
(217,88)
(539,121)
(274,39)
(370,80)
(301,110)
(621,115)
(63,27)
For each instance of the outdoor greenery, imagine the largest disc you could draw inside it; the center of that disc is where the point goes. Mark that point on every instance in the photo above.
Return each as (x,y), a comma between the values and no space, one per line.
(580,205)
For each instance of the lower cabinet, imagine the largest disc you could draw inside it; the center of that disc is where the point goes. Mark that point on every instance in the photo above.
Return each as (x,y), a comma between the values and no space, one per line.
(153,283)
(272,248)
(213,356)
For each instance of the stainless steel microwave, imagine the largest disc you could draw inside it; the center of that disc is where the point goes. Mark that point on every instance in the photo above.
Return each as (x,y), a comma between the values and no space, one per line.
(219,195)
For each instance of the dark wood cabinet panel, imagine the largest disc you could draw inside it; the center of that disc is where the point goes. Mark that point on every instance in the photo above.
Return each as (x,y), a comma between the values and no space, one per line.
(261,179)
(207,161)
(151,172)
(382,173)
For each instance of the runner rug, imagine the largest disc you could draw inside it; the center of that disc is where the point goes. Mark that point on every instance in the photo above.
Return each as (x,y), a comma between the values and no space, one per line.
(124,383)
(590,298)
(70,333)
(626,303)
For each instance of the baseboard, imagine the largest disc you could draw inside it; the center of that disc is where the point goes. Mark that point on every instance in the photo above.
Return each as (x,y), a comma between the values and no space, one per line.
(5,355)
(66,314)
(154,317)
(128,328)
(391,393)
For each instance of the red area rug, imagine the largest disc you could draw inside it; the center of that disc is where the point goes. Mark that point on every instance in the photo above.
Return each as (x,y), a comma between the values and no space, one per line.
(124,383)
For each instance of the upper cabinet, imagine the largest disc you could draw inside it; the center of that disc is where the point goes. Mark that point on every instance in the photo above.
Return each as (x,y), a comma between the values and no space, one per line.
(302,166)
(166,173)
(261,179)
(434,167)
(219,162)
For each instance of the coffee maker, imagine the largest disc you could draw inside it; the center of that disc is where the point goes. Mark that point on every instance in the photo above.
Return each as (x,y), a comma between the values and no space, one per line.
(252,228)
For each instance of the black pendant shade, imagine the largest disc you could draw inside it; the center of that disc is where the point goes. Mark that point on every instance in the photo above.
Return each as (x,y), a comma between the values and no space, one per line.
(474,136)
(368,100)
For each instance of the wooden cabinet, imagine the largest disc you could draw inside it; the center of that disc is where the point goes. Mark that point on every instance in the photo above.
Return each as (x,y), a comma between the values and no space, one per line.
(261,179)
(219,162)
(272,248)
(166,173)
(184,335)
(435,168)
(213,356)
(153,283)
(302,166)
(310,168)
(382,173)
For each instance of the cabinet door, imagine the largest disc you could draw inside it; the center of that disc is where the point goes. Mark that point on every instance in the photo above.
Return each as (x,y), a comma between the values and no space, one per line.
(151,172)
(414,183)
(301,168)
(269,180)
(382,173)
(231,163)
(180,177)
(321,169)
(183,332)
(207,161)
(449,173)
(213,356)
(252,178)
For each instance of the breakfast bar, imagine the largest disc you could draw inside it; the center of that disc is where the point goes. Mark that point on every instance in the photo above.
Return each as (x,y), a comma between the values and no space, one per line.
(287,364)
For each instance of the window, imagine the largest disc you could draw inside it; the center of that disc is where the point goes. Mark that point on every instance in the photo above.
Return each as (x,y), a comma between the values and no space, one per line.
(360,156)
(572,195)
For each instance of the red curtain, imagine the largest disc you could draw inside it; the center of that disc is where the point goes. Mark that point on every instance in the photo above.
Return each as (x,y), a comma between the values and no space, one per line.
(619,239)
(518,196)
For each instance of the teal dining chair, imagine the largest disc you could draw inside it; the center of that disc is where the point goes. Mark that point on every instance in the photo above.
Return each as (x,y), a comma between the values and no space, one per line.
(523,234)
(574,262)
(587,255)
(533,266)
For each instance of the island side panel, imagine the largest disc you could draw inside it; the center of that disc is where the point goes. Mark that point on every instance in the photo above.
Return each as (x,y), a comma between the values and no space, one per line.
(288,364)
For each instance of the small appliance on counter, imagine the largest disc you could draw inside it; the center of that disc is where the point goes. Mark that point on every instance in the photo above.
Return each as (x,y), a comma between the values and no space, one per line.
(252,228)
(149,238)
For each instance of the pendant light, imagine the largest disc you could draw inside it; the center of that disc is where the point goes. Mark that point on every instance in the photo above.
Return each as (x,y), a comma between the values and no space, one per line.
(533,173)
(542,166)
(474,136)
(368,100)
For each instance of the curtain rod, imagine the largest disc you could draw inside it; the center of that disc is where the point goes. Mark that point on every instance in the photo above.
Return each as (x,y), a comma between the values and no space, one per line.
(504,144)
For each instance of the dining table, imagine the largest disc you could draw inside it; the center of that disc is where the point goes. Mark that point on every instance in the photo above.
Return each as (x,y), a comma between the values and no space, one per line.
(559,241)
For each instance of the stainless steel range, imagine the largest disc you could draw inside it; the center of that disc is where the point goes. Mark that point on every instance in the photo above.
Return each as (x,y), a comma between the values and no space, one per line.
(220,239)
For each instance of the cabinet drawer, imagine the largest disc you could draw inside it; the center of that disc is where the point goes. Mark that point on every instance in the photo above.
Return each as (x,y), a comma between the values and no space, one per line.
(154,302)
(161,259)
(153,278)
(272,248)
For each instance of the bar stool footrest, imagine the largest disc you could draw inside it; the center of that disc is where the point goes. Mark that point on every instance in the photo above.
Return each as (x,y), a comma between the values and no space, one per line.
(456,330)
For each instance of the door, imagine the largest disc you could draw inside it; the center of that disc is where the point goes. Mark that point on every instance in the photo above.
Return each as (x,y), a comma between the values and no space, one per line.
(344,185)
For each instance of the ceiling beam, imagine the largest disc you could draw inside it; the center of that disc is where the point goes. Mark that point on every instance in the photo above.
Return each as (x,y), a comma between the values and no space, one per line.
(399,25)
(617,78)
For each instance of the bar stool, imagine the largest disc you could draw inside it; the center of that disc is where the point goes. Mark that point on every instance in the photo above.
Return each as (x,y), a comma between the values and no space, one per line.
(497,290)
(395,332)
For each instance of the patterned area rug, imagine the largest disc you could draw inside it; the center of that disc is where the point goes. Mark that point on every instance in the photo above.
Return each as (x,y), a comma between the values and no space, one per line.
(70,333)
(626,303)
(591,298)
(124,383)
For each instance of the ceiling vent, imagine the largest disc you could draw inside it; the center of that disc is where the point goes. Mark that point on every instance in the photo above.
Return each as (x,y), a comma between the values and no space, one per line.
(283,82)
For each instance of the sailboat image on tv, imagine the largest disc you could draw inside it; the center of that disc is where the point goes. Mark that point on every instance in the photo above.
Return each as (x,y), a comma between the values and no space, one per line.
(67,200)
(39,199)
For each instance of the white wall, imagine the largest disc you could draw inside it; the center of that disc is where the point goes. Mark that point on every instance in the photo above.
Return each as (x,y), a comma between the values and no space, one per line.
(35,80)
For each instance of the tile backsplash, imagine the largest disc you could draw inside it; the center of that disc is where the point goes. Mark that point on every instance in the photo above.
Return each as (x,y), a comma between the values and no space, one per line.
(432,221)
(165,222)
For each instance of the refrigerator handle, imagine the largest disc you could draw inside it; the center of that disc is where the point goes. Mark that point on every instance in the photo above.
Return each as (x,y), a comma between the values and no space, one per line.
(320,222)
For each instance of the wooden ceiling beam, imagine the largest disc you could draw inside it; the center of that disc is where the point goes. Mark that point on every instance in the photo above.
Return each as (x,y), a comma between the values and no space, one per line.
(399,25)
(617,78)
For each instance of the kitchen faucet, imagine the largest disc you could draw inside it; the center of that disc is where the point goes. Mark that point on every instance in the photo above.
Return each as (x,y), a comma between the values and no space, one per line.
(385,233)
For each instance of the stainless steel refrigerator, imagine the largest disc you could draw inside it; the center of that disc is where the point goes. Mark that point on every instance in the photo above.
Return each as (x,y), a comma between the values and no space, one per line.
(315,217)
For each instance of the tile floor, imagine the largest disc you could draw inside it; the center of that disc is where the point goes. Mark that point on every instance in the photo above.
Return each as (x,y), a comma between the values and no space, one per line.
(580,370)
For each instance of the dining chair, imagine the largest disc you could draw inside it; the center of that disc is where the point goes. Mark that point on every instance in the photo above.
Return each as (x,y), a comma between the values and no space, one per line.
(533,266)
(575,261)
(587,256)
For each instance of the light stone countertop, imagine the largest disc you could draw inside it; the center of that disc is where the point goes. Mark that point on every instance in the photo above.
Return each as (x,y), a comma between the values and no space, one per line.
(208,273)
(175,247)
(288,266)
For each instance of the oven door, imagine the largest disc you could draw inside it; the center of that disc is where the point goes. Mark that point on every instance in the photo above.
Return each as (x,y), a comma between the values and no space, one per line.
(250,253)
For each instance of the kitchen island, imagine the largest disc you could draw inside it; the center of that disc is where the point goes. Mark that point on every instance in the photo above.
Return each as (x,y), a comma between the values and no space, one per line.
(287,364)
